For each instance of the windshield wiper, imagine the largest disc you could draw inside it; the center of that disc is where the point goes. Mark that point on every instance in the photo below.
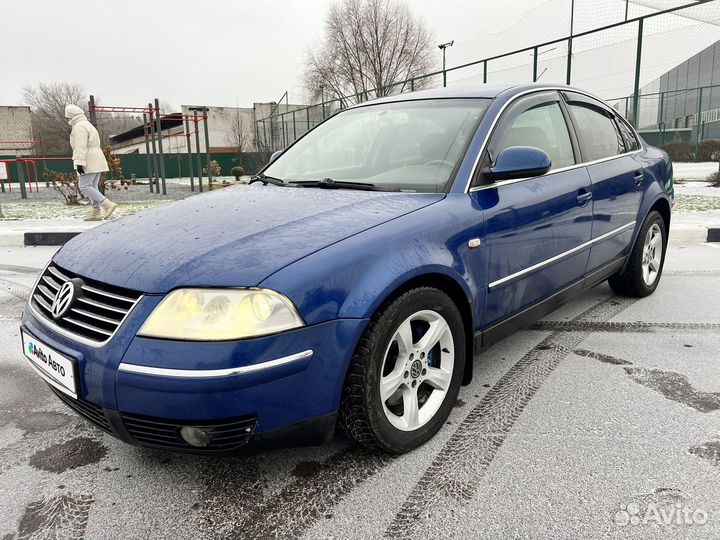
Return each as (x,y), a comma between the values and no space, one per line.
(329,183)
(265,179)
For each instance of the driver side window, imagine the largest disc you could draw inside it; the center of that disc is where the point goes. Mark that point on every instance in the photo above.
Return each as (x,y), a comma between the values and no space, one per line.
(542,126)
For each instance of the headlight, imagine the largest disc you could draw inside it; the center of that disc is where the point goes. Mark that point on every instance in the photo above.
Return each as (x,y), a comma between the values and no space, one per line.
(217,314)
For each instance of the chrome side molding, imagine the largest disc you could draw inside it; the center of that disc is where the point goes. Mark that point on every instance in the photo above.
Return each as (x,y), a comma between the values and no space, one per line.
(560,256)
(212,373)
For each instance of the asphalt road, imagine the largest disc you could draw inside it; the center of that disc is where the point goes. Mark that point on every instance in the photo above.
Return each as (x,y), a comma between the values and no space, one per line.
(601,421)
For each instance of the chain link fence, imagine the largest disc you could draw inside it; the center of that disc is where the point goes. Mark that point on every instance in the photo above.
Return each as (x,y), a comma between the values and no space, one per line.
(656,61)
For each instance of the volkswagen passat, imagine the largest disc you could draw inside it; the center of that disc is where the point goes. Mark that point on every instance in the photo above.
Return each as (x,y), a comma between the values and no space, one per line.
(355,279)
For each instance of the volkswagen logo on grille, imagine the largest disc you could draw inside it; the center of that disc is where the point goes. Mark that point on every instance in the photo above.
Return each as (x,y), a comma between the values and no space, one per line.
(64,299)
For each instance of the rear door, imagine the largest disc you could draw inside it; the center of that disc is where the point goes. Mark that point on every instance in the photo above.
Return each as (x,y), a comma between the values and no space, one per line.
(537,229)
(617,177)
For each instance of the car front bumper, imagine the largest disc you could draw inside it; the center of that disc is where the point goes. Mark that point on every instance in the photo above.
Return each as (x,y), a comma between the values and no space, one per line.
(280,388)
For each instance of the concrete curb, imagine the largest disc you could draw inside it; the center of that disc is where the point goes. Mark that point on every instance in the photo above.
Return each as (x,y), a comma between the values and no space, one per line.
(48,238)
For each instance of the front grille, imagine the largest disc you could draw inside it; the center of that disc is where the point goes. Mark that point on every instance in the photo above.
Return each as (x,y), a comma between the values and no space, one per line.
(225,436)
(96,312)
(91,413)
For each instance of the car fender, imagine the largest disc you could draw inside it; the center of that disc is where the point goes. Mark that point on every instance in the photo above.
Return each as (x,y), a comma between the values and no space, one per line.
(352,278)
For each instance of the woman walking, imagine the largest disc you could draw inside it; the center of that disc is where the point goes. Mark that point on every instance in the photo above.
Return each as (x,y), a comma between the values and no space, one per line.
(89,161)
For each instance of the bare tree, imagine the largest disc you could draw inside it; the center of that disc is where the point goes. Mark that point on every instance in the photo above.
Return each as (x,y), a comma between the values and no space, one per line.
(370,48)
(47,105)
(239,136)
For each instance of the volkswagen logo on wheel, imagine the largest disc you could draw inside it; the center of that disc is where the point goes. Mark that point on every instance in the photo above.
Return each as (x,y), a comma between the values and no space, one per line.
(64,299)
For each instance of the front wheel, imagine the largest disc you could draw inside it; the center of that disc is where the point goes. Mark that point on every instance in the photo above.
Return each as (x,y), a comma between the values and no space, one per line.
(406,372)
(644,267)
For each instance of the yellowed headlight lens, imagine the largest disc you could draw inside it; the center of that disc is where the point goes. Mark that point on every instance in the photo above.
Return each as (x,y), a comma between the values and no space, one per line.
(220,314)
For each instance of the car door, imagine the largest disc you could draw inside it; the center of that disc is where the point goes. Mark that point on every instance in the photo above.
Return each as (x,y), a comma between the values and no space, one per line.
(617,177)
(538,229)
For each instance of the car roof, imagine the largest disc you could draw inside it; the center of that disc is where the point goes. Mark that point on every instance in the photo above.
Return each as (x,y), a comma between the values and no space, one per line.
(487,91)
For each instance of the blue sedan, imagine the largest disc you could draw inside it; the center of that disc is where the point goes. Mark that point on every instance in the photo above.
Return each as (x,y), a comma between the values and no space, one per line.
(355,280)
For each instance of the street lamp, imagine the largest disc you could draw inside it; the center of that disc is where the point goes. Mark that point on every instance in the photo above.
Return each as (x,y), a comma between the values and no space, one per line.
(442,47)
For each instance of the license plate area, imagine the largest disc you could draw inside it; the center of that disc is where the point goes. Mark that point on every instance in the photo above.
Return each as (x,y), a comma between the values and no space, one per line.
(55,368)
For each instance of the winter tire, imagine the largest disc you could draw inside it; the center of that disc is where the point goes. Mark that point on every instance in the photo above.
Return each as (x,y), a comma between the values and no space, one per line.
(645,263)
(405,373)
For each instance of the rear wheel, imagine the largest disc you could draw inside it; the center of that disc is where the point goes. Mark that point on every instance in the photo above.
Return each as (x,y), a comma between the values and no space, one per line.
(406,372)
(644,267)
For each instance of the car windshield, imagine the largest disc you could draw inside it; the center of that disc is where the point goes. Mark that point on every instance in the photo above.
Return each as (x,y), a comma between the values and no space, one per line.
(410,145)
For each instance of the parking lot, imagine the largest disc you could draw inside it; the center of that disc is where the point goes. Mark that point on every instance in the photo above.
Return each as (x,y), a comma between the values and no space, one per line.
(599,421)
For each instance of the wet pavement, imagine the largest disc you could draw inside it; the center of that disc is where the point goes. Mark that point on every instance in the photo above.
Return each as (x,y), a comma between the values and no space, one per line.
(600,421)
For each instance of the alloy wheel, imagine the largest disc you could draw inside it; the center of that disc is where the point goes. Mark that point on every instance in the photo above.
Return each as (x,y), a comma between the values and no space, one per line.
(652,254)
(417,370)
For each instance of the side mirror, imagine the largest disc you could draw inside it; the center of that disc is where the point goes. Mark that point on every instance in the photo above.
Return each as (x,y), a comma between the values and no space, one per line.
(519,162)
(274,156)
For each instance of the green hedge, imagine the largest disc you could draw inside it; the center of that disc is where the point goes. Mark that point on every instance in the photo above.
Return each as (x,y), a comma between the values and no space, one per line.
(707,150)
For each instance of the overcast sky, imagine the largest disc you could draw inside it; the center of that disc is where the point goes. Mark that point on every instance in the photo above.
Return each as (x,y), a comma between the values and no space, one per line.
(228,52)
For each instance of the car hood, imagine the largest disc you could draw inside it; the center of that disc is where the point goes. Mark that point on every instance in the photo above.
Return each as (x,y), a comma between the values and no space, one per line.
(231,237)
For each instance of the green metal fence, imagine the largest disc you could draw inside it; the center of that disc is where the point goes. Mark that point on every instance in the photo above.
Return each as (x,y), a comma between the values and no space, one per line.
(176,165)
(591,58)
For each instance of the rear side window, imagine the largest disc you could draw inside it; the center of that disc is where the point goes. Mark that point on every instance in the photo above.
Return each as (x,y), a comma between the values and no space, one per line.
(631,142)
(598,132)
(542,127)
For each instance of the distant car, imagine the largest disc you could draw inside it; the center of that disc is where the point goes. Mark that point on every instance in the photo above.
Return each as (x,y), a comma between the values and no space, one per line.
(357,277)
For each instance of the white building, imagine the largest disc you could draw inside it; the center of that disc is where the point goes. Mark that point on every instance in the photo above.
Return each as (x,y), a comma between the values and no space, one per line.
(228,129)
(15,126)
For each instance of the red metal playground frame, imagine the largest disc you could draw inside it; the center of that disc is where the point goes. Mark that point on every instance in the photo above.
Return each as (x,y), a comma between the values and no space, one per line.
(152,133)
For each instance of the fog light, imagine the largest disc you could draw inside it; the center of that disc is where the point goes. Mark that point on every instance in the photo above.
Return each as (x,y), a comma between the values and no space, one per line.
(195,436)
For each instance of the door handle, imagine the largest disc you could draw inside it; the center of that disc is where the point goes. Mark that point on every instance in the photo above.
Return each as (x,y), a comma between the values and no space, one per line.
(639,177)
(583,197)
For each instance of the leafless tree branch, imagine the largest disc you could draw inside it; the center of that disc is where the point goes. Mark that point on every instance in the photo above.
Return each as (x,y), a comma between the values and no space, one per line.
(370,48)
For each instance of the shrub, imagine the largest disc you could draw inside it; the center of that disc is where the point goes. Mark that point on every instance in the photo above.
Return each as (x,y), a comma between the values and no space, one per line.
(709,150)
(214,169)
(680,150)
(64,183)
(714,179)
(237,172)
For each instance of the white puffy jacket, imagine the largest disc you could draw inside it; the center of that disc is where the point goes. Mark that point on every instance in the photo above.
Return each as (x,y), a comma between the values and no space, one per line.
(85,142)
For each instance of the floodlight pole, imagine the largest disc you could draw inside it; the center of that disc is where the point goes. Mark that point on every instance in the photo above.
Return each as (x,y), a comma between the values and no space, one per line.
(442,47)
(570,40)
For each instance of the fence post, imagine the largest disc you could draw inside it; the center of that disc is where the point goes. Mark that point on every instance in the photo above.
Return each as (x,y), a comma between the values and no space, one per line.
(160,148)
(197,149)
(535,66)
(147,150)
(21,180)
(206,112)
(189,154)
(697,124)
(91,110)
(636,92)
(155,176)
(485,72)
(294,127)
(661,118)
